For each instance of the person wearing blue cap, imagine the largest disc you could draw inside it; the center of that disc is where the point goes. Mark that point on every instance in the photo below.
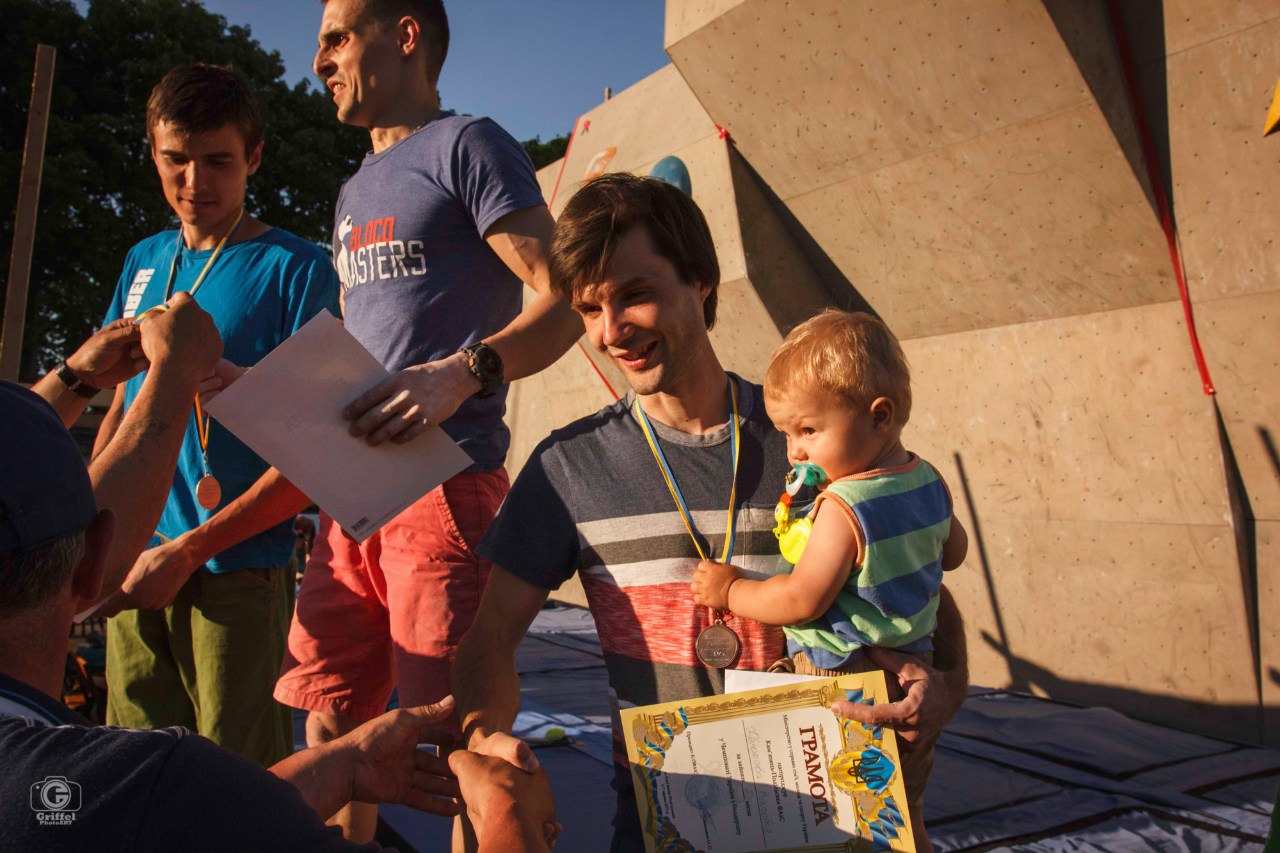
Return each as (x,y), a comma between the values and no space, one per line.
(70,786)
(132,474)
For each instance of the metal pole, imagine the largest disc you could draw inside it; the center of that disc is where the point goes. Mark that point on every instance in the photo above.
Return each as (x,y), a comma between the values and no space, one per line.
(24,224)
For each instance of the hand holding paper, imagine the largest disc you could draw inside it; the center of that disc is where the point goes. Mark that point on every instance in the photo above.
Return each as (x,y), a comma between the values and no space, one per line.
(415,399)
(289,410)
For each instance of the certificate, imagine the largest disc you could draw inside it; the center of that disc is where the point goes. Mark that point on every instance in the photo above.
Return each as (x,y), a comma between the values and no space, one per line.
(288,410)
(768,770)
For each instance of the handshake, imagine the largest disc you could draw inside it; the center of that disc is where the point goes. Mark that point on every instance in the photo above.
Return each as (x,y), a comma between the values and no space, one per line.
(505,792)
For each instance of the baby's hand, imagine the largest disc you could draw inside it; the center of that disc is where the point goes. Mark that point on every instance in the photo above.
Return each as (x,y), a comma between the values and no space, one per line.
(711,584)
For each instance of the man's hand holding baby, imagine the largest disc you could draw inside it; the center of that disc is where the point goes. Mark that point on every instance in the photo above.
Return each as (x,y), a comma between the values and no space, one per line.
(711,584)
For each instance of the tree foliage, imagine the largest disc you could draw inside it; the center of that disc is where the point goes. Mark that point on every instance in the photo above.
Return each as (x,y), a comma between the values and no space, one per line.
(99,192)
(546,153)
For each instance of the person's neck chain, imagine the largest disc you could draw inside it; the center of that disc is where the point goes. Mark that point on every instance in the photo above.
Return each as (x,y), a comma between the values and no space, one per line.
(717,646)
(435,114)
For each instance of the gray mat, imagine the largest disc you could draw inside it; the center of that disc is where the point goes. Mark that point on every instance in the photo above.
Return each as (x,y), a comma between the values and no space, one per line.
(1013,772)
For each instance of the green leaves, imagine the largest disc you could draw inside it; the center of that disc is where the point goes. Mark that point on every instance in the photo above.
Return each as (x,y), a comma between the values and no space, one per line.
(99,193)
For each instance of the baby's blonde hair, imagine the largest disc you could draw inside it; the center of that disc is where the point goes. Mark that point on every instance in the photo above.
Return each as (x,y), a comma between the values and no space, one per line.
(851,354)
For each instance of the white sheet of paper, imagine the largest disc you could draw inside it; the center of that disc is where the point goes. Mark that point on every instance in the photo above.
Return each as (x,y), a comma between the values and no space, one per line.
(89,611)
(288,409)
(738,680)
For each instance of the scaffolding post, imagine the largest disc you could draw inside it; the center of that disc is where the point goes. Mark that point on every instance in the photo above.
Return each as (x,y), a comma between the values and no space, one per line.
(24,222)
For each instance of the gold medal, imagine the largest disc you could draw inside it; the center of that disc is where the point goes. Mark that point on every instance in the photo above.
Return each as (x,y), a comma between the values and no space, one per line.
(717,646)
(209,492)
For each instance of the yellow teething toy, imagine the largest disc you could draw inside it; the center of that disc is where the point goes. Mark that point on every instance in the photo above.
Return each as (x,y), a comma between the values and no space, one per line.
(793,533)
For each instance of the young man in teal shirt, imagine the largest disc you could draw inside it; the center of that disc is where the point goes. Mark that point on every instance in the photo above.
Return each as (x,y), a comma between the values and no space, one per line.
(204,614)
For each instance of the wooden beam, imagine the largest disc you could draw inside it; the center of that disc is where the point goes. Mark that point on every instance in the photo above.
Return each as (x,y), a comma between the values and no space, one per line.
(24,224)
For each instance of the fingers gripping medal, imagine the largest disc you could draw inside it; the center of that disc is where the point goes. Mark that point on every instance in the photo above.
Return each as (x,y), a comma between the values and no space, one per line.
(717,645)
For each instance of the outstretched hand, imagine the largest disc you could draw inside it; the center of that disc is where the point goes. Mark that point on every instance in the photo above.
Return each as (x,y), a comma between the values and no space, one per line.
(110,356)
(388,767)
(182,335)
(510,809)
(217,380)
(932,698)
(509,748)
(155,579)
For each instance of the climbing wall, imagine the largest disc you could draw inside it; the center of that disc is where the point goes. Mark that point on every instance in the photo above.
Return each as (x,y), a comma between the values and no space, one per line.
(656,118)
(974,171)
(1217,70)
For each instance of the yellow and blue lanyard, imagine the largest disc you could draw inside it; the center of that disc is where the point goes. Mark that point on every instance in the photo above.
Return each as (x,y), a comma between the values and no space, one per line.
(674,488)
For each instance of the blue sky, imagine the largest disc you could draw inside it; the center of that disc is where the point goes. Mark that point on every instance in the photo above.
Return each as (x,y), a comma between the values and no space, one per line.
(534,67)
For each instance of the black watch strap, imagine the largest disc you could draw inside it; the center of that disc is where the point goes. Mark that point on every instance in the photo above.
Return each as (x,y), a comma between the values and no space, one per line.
(75,383)
(486,366)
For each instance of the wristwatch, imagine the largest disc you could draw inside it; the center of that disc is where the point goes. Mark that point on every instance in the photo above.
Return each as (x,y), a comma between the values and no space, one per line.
(75,383)
(485,365)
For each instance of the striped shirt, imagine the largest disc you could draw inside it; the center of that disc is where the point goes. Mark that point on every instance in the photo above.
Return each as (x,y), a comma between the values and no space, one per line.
(901,518)
(591,500)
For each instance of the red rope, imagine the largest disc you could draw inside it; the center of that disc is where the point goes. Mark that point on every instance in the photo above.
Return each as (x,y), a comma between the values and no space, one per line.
(565,162)
(591,361)
(1158,188)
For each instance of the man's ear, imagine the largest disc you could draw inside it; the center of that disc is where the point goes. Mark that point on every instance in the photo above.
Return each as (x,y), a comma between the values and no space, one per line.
(255,158)
(87,578)
(408,35)
(882,412)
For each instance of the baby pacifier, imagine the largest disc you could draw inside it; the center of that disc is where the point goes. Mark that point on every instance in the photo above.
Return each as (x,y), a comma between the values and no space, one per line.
(803,483)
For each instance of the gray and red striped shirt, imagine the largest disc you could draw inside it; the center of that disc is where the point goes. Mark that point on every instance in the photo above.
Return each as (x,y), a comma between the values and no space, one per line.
(592,500)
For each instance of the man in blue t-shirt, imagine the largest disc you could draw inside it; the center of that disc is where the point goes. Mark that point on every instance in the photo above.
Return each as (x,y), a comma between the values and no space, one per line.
(434,239)
(203,615)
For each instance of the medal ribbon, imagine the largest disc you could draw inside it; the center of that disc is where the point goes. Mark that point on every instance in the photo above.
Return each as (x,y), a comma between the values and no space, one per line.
(202,430)
(173,264)
(202,420)
(674,488)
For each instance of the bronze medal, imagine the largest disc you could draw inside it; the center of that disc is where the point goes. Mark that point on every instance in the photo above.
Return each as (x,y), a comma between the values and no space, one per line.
(209,492)
(717,646)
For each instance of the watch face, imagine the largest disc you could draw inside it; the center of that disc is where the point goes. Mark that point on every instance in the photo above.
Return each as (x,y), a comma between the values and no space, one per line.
(486,366)
(487,360)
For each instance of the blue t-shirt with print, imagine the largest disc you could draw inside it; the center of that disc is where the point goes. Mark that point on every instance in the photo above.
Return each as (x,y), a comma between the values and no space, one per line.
(259,292)
(419,281)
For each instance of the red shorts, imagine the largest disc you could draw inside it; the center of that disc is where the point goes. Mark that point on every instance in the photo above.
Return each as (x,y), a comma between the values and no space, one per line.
(390,611)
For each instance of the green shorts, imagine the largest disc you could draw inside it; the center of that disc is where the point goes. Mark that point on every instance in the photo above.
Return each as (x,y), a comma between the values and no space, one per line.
(208,662)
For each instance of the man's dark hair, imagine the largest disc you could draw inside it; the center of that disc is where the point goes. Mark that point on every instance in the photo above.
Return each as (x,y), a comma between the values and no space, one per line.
(587,233)
(31,578)
(430,16)
(204,98)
